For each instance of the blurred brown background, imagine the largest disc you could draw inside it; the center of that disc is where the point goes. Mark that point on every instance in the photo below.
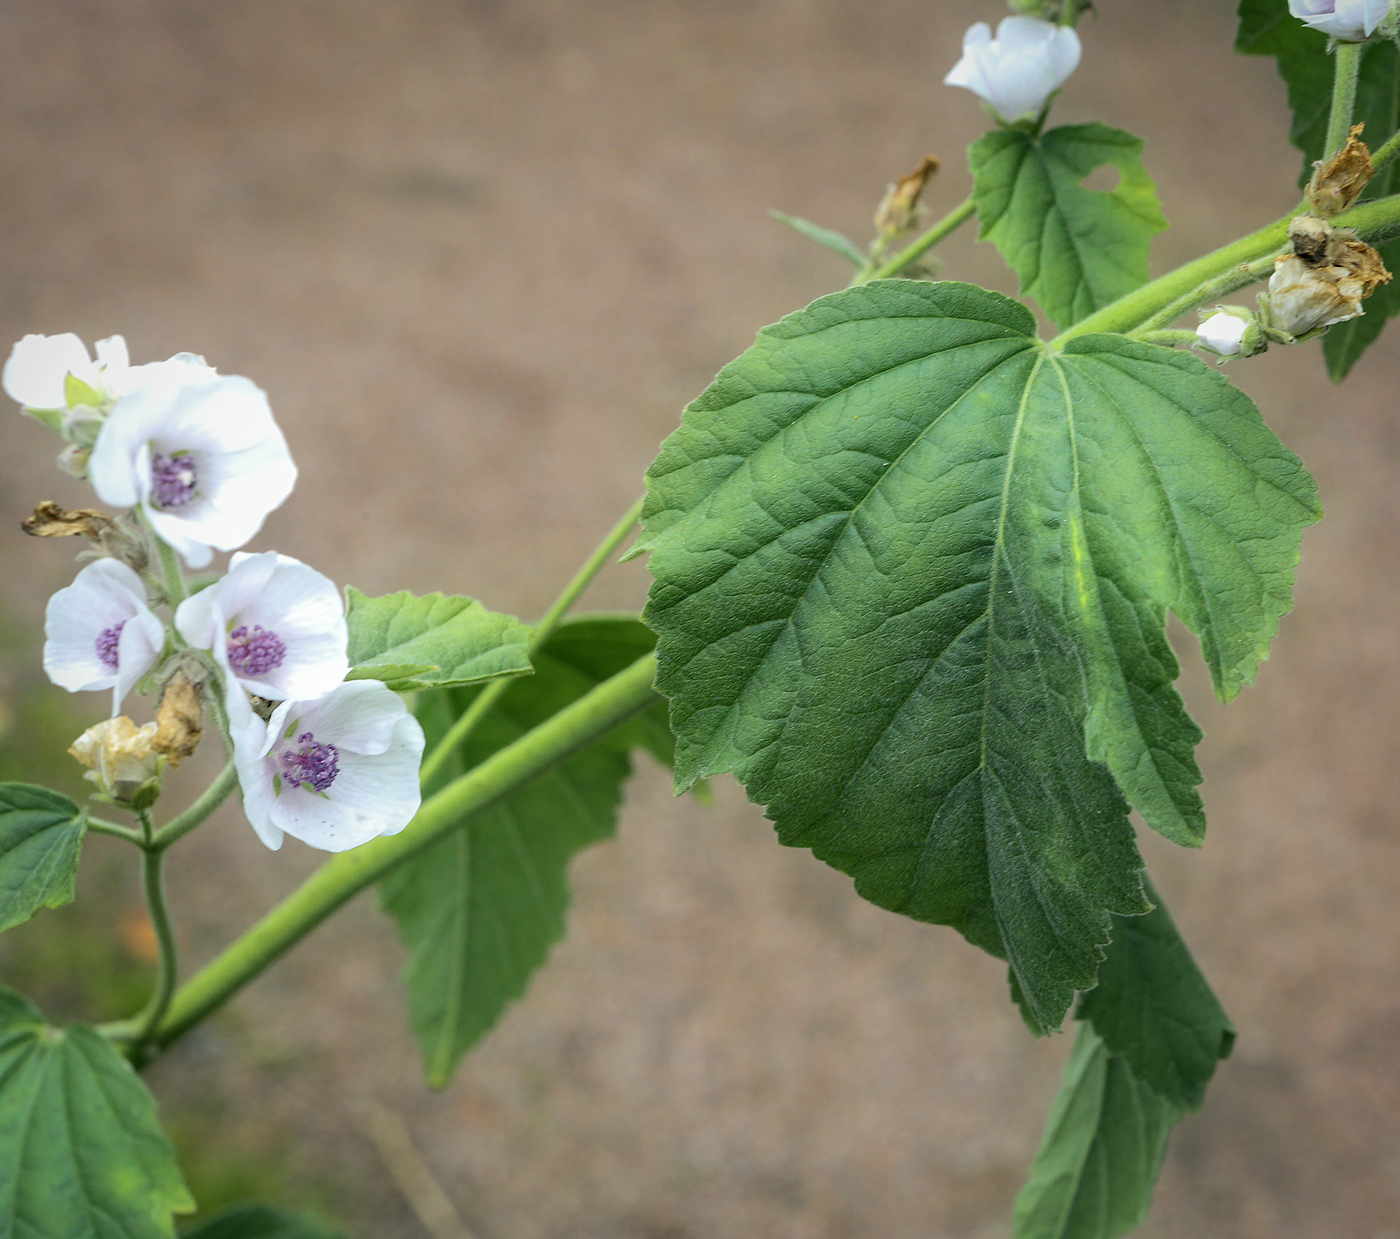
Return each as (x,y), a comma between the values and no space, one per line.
(480,253)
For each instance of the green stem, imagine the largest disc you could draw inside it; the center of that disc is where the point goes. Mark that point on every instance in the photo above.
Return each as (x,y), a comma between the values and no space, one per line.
(339,879)
(1168,338)
(1346,72)
(210,799)
(1386,152)
(103,827)
(489,695)
(917,248)
(1222,286)
(175,591)
(139,1029)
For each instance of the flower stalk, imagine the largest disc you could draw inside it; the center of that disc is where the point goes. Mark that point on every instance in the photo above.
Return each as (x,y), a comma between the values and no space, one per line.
(1346,74)
(920,246)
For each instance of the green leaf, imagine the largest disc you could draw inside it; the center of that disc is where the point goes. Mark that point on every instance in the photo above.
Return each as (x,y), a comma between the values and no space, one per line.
(1102,1151)
(254,1221)
(81,1153)
(1153,1007)
(41,837)
(76,393)
(1075,249)
(432,642)
(836,242)
(912,570)
(480,911)
(1268,29)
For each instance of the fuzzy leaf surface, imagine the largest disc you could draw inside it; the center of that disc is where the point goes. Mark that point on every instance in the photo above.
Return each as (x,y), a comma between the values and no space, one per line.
(256,1221)
(1075,249)
(480,910)
(434,641)
(1097,1167)
(41,838)
(81,1153)
(1268,29)
(912,569)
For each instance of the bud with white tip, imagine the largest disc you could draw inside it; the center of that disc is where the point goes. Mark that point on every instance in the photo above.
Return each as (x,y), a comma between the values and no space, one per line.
(1231,331)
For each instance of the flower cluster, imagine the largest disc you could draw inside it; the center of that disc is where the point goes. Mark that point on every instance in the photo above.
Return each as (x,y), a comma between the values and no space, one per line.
(198,459)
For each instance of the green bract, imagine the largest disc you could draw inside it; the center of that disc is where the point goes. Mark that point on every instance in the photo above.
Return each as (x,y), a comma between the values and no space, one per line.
(912,570)
(1075,249)
(83,1153)
(41,838)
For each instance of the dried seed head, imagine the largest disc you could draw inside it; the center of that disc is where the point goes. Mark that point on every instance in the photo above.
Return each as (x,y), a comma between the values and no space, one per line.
(1323,281)
(107,536)
(179,720)
(899,211)
(120,755)
(1338,182)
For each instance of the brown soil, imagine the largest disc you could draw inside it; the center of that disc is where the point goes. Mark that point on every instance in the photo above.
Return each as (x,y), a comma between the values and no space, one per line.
(480,252)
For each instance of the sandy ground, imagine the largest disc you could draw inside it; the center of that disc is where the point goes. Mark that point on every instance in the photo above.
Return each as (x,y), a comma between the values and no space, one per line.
(480,253)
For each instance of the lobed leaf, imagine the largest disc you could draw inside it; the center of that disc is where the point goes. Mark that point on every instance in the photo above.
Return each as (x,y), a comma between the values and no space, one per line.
(41,838)
(81,1153)
(434,641)
(1075,249)
(480,910)
(1097,1167)
(912,570)
(257,1221)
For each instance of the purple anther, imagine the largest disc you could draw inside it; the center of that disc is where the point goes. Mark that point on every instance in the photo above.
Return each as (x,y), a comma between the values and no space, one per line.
(173,479)
(312,765)
(255,651)
(107,641)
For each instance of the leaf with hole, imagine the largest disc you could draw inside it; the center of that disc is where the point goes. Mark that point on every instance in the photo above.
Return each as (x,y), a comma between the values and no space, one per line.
(912,571)
(41,838)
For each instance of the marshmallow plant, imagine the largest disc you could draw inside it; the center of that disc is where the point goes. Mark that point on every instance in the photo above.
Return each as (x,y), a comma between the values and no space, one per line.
(913,556)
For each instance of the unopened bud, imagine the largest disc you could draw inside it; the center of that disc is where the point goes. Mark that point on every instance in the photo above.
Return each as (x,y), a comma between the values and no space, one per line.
(899,211)
(1231,331)
(1338,182)
(122,759)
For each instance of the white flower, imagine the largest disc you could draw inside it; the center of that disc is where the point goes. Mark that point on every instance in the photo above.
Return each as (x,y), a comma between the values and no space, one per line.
(200,454)
(39,366)
(1222,332)
(99,632)
(276,628)
(1027,62)
(1348,20)
(335,772)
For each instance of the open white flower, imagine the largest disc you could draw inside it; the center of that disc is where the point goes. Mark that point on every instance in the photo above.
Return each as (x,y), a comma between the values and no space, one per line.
(1027,62)
(335,772)
(1352,21)
(99,632)
(276,628)
(38,368)
(200,454)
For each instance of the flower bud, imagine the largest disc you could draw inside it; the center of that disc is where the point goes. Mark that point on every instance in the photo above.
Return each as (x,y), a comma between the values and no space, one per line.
(1017,72)
(1351,21)
(121,759)
(1231,331)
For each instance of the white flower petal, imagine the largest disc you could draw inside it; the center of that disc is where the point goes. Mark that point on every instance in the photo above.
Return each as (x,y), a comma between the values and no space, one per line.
(1223,332)
(250,741)
(38,365)
(1021,68)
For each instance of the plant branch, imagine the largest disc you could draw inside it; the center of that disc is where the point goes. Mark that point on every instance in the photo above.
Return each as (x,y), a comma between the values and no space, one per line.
(1168,338)
(1222,286)
(337,881)
(917,248)
(489,695)
(1346,72)
(104,827)
(210,799)
(1386,152)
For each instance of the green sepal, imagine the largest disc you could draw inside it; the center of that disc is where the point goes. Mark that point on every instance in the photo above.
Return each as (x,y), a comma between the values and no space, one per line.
(81,1152)
(77,394)
(54,419)
(1074,249)
(480,911)
(41,839)
(433,641)
(258,1221)
(828,238)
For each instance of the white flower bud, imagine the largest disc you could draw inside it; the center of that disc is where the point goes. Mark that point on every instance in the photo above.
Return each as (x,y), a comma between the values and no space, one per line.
(1015,73)
(1352,21)
(1223,333)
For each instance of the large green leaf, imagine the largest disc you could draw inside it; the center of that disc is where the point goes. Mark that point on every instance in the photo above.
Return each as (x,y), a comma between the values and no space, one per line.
(254,1221)
(1268,29)
(1075,249)
(1153,1007)
(81,1153)
(1097,1167)
(432,642)
(912,569)
(41,837)
(480,911)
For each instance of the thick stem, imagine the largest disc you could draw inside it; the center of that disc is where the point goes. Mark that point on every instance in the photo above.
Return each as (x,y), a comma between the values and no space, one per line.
(1346,72)
(1169,338)
(917,248)
(489,695)
(1222,286)
(210,799)
(1386,152)
(344,876)
(103,827)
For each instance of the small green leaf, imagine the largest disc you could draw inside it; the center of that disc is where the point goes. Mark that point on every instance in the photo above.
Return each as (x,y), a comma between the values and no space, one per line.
(1075,249)
(480,911)
(81,1153)
(1153,1007)
(432,642)
(77,393)
(912,571)
(255,1221)
(836,242)
(1102,1151)
(41,838)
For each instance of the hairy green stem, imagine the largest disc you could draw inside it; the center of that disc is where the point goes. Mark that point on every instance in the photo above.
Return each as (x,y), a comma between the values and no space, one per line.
(489,695)
(344,876)
(1346,72)
(1222,286)
(103,827)
(917,248)
(1169,338)
(1386,152)
(210,799)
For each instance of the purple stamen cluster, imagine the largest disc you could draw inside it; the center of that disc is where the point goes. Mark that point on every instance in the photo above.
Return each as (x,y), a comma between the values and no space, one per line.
(312,765)
(173,480)
(256,651)
(107,642)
